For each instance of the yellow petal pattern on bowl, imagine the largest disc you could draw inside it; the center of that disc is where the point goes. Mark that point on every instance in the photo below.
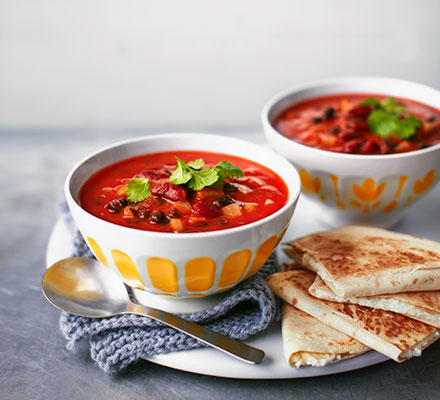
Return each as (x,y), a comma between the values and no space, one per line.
(221,290)
(262,254)
(97,250)
(340,204)
(163,274)
(282,235)
(334,180)
(199,274)
(233,267)
(309,184)
(393,204)
(368,191)
(127,268)
(422,185)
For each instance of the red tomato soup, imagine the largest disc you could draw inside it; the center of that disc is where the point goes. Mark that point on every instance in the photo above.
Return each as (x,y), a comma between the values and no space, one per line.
(178,208)
(346,124)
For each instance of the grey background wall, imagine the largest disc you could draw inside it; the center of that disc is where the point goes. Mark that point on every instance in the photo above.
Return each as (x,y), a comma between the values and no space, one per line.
(194,63)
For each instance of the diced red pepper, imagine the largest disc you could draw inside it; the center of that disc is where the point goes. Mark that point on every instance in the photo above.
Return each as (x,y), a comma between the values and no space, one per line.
(349,134)
(360,111)
(206,210)
(361,126)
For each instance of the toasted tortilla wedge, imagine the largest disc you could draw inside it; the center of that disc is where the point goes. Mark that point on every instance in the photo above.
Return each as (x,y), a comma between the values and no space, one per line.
(394,335)
(308,342)
(422,306)
(357,261)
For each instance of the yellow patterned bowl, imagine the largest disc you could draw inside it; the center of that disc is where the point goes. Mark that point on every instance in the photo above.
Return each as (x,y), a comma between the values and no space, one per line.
(351,188)
(188,264)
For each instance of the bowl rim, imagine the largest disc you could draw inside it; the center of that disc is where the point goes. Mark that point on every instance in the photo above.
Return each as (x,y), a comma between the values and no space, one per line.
(315,84)
(293,193)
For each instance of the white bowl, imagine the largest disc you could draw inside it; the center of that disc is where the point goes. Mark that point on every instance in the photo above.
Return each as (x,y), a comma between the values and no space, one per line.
(351,188)
(156,261)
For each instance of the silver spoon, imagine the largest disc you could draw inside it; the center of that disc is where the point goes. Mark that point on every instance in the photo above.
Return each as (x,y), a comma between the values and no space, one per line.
(82,286)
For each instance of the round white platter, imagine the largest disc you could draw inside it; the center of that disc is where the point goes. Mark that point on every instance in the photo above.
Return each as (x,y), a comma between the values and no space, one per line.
(212,362)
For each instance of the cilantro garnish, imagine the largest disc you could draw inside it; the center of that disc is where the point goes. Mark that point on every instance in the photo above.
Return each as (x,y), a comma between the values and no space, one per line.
(387,117)
(138,190)
(226,169)
(197,178)
(203,178)
(196,164)
(370,102)
(389,105)
(182,174)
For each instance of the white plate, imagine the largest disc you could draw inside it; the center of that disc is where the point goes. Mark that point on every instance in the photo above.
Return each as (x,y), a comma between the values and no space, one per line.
(215,363)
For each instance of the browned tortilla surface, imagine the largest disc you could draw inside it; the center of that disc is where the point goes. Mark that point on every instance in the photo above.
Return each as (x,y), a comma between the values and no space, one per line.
(387,332)
(364,261)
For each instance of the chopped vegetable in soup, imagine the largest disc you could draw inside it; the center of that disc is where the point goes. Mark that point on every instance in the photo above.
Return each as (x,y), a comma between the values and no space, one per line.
(183,191)
(361,124)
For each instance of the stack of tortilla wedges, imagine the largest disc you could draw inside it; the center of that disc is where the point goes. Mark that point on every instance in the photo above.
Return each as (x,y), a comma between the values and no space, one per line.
(358,288)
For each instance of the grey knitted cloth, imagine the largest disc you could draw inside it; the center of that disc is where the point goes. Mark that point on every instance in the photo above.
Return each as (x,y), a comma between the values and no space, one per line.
(116,342)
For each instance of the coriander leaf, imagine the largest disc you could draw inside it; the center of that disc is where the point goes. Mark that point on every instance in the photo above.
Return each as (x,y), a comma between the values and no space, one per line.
(191,173)
(389,105)
(370,102)
(196,164)
(182,174)
(381,123)
(138,189)
(386,118)
(203,178)
(406,127)
(227,169)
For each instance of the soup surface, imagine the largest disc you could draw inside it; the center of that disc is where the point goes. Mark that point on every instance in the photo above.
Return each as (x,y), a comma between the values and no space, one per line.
(170,207)
(361,124)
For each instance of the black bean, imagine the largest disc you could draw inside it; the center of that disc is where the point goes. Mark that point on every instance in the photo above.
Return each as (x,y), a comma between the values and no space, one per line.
(223,201)
(157,217)
(329,113)
(116,205)
(229,188)
(173,213)
(317,120)
(431,119)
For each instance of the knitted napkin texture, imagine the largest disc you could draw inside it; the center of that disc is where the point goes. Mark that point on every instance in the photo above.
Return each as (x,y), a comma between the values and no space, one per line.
(116,342)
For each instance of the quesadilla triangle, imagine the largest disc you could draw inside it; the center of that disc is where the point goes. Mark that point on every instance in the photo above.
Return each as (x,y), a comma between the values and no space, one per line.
(422,306)
(394,335)
(308,342)
(365,261)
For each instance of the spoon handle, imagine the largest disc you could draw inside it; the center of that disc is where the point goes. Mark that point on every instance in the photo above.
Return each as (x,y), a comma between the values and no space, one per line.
(232,347)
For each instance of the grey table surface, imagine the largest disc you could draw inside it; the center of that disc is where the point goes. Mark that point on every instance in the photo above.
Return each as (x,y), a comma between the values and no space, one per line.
(34,363)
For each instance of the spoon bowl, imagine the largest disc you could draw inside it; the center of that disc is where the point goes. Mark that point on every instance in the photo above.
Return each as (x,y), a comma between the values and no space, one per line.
(82,286)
